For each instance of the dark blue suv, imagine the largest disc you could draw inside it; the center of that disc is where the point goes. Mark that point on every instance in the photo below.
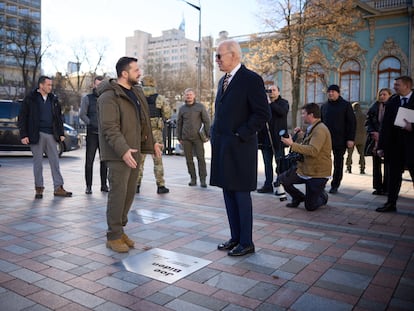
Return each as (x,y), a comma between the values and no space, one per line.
(10,135)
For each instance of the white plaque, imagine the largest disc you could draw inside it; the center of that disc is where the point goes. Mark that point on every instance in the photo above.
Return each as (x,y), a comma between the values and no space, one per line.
(165,266)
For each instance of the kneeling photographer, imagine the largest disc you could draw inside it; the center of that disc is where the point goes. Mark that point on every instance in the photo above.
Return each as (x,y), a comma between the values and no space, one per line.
(314,168)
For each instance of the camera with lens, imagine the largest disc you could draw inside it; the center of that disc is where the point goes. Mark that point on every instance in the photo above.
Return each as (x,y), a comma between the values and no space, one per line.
(268,91)
(294,157)
(291,156)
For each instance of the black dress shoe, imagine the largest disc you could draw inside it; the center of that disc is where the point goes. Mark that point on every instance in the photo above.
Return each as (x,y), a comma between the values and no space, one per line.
(241,251)
(88,190)
(295,203)
(378,192)
(265,189)
(388,207)
(104,188)
(333,190)
(227,245)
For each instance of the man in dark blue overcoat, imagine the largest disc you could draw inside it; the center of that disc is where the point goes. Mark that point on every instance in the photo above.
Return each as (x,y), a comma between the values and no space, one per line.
(241,110)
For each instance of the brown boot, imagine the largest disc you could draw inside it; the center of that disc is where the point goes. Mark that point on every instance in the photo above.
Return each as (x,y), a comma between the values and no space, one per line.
(60,192)
(127,240)
(39,192)
(118,246)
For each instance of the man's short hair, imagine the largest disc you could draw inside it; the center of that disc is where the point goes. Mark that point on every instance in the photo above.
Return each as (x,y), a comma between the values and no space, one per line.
(42,79)
(312,108)
(123,64)
(99,78)
(189,90)
(406,80)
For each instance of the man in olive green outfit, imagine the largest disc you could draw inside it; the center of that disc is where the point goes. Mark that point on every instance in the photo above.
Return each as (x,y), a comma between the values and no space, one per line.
(124,134)
(160,111)
(193,118)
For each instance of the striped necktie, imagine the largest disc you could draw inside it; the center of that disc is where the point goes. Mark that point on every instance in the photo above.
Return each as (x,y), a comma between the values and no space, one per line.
(226,81)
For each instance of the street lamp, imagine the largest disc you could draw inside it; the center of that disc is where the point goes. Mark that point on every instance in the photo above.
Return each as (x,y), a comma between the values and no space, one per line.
(199,45)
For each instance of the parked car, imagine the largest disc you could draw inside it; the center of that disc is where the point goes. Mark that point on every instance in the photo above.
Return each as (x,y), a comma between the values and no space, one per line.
(10,136)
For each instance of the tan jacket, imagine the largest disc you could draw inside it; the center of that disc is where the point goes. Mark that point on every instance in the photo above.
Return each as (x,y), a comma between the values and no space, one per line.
(121,125)
(316,149)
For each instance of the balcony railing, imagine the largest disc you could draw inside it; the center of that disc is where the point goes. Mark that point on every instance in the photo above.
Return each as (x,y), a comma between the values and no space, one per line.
(389,4)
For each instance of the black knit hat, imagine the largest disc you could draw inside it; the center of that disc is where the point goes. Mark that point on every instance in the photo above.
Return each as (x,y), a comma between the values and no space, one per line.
(333,87)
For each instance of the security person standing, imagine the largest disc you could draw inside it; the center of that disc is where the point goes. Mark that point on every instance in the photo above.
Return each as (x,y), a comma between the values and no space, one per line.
(160,111)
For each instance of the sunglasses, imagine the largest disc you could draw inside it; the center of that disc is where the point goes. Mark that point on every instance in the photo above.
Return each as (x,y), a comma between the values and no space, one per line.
(219,56)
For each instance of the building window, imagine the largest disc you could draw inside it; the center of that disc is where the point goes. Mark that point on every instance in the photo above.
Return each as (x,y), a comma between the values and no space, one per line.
(388,69)
(350,80)
(314,86)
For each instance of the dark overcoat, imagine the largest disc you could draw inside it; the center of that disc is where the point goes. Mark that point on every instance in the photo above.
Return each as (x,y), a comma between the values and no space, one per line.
(398,144)
(240,112)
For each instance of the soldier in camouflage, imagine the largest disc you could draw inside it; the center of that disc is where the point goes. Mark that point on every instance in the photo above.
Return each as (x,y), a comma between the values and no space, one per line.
(160,110)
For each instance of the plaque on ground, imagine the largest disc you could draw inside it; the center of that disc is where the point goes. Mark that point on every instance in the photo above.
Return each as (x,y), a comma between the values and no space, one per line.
(147,216)
(162,265)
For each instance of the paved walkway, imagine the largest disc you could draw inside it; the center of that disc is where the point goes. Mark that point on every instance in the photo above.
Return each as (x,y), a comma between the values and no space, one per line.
(344,256)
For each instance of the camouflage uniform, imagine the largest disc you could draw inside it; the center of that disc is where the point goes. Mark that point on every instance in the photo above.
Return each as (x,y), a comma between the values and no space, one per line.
(163,111)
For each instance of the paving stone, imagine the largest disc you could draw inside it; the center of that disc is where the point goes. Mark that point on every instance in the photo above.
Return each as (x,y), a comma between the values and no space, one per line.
(201,246)
(53,286)
(269,307)
(210,303)
(109,306)
(14,302)
(180,305)
(84,299)
(364,257)
(261,291)
(160,298)
(232,283)
(17,249)
(349,279)
(294,244)
(6,266)
(232,307)
(203,275)
(309,302)
(27,275)
(60,264)
(117,284)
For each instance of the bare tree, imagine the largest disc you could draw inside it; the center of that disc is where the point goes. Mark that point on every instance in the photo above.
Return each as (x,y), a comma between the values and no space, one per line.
(171,81)
(25,45)
(88,56)
(298,25)
(207,83)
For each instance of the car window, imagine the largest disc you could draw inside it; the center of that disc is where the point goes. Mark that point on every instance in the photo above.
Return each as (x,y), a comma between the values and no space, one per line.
(9,111)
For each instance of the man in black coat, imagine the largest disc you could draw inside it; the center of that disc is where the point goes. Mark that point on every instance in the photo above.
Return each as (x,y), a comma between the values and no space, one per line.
(273,148)
(241,110)
(396,143)
(41,127)
(339,117)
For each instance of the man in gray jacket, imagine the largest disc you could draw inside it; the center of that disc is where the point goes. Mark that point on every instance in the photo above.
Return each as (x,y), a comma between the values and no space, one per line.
(193,118)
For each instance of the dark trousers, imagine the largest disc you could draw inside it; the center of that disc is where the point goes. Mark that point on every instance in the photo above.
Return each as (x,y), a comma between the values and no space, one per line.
(315,189)
(379,179)
(198,147)
(267,154)
(240,216)
(338,165)
(92,144)
(396,169)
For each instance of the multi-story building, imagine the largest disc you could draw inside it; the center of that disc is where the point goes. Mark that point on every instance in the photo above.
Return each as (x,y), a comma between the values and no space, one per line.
(382,50)
(18,19)
(172,56)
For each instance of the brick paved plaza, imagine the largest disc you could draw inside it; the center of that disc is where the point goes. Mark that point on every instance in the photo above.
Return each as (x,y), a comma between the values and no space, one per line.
(344,256)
